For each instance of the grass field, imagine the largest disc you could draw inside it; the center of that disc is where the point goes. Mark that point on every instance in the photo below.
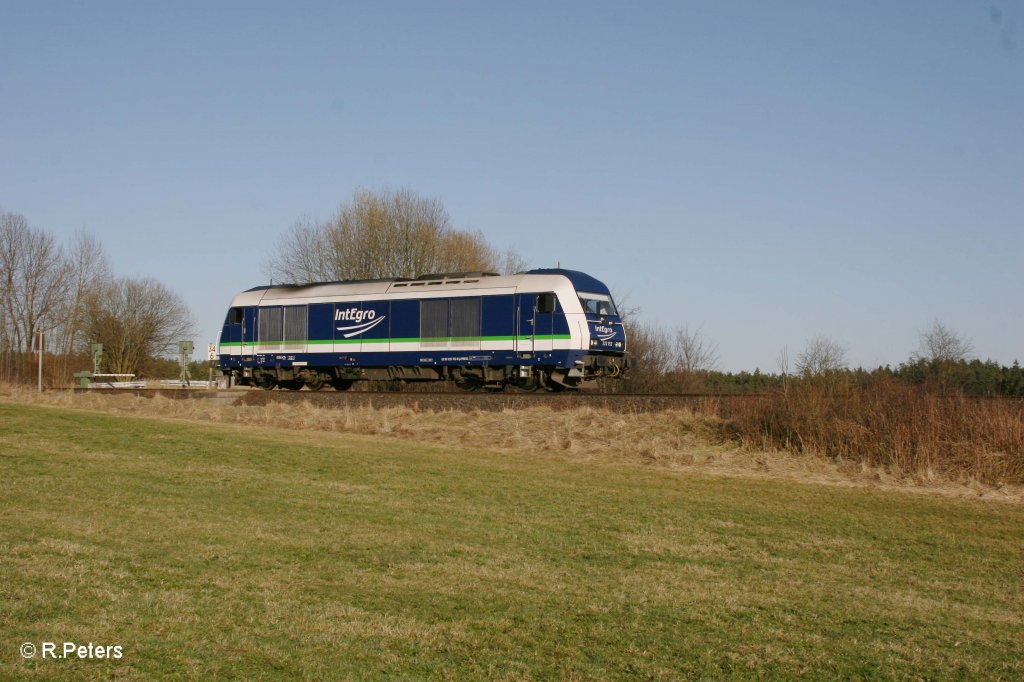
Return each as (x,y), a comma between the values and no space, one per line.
(227,551)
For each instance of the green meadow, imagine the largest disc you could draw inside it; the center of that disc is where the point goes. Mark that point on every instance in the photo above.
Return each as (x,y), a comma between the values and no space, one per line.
(230,552)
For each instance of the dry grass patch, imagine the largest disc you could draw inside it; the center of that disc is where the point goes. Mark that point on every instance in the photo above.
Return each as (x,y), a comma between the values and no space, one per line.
(683,440)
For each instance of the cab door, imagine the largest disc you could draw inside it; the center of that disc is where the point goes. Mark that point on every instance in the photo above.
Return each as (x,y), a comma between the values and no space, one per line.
(249,331)
(535,320)
(524,328)
(544,321)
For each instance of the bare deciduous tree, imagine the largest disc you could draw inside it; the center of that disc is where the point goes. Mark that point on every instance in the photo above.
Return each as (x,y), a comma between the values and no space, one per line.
(942,343)
(87,269)
(512,262)
(382,234)
(821,356)
(694,352)
(782,361)
(627,311)
(135,319)
(650,349)
(33,276)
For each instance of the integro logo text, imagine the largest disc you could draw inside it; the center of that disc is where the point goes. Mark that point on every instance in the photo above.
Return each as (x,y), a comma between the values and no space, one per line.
(354,315)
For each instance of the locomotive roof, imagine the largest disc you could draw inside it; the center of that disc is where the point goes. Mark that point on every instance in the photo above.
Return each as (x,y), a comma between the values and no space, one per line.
(446,277)
(398,285)
(580,280)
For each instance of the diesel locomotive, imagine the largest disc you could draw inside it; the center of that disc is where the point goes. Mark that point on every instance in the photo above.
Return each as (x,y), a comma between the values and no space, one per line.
(549,329)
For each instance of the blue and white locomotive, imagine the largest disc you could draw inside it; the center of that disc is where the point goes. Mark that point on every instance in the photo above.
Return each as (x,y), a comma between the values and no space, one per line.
(552,329)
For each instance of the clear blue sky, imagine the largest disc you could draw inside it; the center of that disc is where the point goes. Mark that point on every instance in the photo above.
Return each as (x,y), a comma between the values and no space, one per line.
(767,171)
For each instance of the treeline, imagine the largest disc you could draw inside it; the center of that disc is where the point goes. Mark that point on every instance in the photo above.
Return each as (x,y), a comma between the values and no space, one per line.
(967,377)
(685,361)
(67,295)
(971,377)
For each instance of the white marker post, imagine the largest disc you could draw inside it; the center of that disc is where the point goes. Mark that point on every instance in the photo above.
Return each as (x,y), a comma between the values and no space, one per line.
(211,355)
(40,362)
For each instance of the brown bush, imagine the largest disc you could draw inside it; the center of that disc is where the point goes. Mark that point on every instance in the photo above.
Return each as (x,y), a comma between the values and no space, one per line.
(887,423)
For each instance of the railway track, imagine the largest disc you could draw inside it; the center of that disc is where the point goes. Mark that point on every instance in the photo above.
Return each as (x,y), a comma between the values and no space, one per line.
(435,401)
(466,402)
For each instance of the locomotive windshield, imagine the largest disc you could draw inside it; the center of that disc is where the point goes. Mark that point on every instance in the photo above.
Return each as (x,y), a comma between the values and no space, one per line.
(597,304)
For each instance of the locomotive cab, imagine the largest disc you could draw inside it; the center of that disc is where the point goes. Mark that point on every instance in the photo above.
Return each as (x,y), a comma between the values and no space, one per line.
(598,339)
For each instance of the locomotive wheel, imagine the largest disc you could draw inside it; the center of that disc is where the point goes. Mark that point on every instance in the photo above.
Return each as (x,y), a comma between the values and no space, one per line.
(265,382)
(316,384)
(528,385)
(467,386)
(293,385)
(341,384)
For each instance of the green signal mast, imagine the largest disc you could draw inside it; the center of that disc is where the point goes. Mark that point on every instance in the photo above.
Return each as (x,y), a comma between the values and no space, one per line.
(185,349)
